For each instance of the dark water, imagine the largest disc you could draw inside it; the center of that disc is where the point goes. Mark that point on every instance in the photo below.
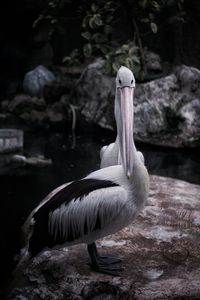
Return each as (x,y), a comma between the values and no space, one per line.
(23,188)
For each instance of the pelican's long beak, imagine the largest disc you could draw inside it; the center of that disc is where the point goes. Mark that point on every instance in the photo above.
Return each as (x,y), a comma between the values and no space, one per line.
(126,138)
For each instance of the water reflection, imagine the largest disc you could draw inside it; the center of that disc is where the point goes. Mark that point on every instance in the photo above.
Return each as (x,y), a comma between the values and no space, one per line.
(74,163)
(181,164)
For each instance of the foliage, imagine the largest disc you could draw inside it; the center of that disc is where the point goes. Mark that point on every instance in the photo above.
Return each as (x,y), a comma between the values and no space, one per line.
(74,59)
(53,16)
(126,55)
(143,15)
(98,19)
(148,12)
(97,29)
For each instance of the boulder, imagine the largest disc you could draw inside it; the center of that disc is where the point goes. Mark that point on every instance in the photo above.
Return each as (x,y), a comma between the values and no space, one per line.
(32,161)
(152,61)
(153,66)
(53,91)
(35,80)
(24,103)
(56,117)
(11,140)
(166,109)
(95,96)
(160,255)
(36,118)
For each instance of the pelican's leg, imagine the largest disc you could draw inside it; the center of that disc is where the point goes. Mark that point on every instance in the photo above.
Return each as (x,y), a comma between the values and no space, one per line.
(103,264)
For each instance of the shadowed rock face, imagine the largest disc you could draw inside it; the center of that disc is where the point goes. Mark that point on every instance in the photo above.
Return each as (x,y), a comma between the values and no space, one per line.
(160,255)
(166,109)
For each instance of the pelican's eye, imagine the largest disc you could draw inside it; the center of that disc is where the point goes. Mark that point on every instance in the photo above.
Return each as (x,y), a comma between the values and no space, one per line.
(120,81)
(131,81)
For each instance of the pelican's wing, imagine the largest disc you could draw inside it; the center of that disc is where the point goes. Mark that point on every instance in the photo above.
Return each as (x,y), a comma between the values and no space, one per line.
(99,210)
(47,220)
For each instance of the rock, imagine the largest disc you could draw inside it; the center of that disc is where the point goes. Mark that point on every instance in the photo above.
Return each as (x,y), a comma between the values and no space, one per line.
(38,161)
(153,61)
(11,140)
(57,112)
(95,96)
(166,110)
(4,105)
(38,118)
(53,91)
(55,117)
(153,65)
(35,80)
(160,255)
(24,103)
(33,161)
(35,112)
(3,118)
(25,116)
(20,102)
(24,46)
(19,158)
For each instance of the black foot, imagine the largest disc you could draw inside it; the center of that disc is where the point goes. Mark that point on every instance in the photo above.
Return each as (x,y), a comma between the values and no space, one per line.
(107,264)
(109,259)
(107,269)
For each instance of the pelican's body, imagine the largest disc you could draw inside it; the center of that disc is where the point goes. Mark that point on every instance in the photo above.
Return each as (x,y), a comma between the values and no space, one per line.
(100,204)
(110,155)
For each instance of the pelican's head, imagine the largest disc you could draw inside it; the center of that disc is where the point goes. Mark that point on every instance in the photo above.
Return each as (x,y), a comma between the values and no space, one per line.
(125,84)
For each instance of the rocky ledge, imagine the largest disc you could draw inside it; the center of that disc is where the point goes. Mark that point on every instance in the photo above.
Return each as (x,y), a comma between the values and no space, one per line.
(160,255)
(166,109)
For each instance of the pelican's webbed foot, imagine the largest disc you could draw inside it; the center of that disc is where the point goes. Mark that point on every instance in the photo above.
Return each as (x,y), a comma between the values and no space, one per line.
(107,264)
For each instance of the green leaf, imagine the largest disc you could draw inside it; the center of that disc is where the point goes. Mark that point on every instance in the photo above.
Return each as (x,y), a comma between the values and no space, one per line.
(151,16)
(133,49)
(154,27)
(144,20)
(109,19)
(129,62)
(104,49)
(107,29)
(86,35)
(94,7)
(86,21)
(92,23)
(97,19)
(66,59)
(119,51)
(87,50)
(136,68)
(54,21)
(108,5)
(155,5)
(115,66)
(99,38)
(125,47)
(143,3)
(136,59)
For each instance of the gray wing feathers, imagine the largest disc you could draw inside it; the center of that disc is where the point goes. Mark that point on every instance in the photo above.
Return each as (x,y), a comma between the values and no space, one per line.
(81,217)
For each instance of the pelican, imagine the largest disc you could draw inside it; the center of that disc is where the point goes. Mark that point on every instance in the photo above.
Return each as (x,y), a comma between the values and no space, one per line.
(110,154)
(99,204)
